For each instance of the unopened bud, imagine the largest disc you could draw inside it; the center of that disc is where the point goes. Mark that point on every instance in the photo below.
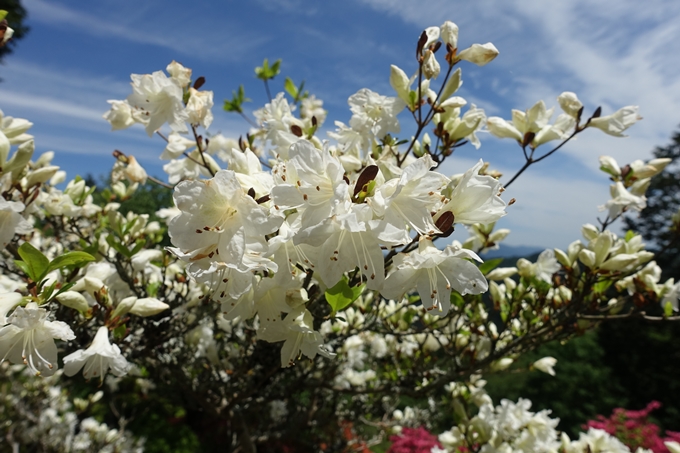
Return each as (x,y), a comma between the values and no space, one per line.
(73,299)
(149,306)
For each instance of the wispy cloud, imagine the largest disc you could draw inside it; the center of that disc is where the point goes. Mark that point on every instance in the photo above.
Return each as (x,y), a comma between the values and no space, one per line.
(227,39)
(610,53)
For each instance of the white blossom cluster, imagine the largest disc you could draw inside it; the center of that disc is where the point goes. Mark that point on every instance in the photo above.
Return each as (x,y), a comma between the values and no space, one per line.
(328,247)
(513,428)
(38,414)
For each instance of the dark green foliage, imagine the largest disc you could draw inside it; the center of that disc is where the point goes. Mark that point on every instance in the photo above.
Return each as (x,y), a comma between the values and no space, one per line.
(581,389)
(646,360)
(17,21)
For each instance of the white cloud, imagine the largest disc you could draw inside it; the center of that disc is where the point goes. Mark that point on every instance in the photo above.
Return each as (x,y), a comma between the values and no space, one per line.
(610,53)
(176,31)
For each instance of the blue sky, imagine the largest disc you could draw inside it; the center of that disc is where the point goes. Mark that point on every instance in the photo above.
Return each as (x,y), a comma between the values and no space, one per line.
(80,54)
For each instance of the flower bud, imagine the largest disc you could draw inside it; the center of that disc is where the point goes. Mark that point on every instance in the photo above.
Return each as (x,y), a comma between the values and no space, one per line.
(589,231)
(546,365)
(479,54)
(452,85)
(20,158)
(502,364)
(609,165)
(562,258)
(619,262)
(148,306)
(587,257)
(432,35)
(601,246)
(135,172)
(73,299)
(570,103)
(400,83)
(449,33)
(431,66)
(41,175)
(497,292)
(501,273)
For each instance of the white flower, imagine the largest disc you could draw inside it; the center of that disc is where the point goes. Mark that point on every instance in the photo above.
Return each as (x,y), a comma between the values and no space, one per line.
(29,338)
(199,107)
(375,113)
(435,273)
(135,172)
(622,200)
(7,302)
(298,334)
(120,115)
(347,242)
(11,222)
(617,122)
(408,201)
(569,103)
(14,129)
(219,222)
(97,359)
(546,365)
(158,98)
(179,74)
(475,199)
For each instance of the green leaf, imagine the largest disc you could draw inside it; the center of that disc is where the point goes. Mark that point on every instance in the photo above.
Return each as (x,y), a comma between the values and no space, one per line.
(668,310)
(152,289)
(266,72)
(70,259)
(342,295)
(602,286)
(119,332)
(117,246)
(290,88)
(490,265)
(456,300)
(37,263)
(3,14)
(630,234)
(47,292)
(238,98)
(23,266)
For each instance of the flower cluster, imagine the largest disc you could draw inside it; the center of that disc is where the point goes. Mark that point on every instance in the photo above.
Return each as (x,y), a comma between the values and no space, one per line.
(334,248)
(634,429)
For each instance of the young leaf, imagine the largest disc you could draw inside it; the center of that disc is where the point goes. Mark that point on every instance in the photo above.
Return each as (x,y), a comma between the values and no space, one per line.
(342,295)
(70,259)
(290,88)
(36,262)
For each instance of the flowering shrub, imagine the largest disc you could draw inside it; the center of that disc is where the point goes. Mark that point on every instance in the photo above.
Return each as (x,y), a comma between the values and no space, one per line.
(634,429)
(411,440)
(286,246)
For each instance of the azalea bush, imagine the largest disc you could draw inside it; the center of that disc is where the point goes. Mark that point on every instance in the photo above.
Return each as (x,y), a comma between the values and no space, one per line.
(634,429)
(311,284)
